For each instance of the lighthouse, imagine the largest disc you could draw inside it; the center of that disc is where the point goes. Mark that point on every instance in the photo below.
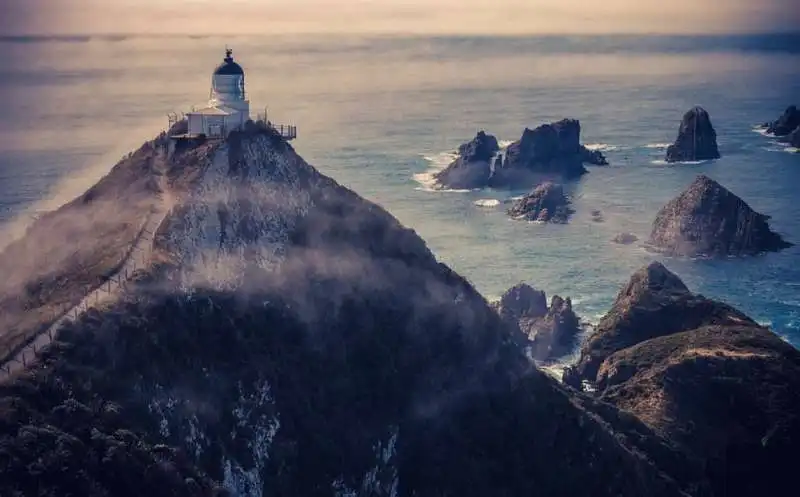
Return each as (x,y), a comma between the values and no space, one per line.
(228,108)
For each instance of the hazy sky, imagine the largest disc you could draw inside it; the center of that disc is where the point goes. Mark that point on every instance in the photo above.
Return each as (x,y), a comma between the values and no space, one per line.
(398,16)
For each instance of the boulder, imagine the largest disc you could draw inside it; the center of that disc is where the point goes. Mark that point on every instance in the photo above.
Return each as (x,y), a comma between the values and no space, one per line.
(625,238)
(550,149)
(703,375)
(546,203)
(472,168)
(552,330)
(696,139)
(784,125)
(708,220)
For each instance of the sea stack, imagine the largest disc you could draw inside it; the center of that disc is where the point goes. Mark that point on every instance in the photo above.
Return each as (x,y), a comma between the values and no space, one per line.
(786,124)
(696,139)
(551,150)
(547,203)
(552,331)
(472,168)
(708,220)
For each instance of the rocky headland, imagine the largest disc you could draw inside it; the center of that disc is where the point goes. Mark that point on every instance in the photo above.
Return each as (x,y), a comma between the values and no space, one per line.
(553,331)
(708,220)
(703,375)
(546,203)
(291,338)
(548,151)
(288,337)
(697,139)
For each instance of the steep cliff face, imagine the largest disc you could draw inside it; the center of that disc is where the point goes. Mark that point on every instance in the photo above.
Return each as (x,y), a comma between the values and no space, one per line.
(291,338)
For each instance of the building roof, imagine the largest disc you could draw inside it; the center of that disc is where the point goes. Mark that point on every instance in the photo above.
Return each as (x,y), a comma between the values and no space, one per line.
(228,66)
(214,111)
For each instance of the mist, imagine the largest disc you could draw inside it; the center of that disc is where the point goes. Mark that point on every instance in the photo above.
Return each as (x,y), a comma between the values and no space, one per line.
(464,17)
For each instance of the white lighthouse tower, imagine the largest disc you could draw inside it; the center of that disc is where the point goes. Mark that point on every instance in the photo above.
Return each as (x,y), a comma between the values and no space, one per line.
(228,107)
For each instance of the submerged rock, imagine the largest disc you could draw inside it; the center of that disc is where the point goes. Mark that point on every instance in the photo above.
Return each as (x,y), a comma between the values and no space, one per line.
(546,203)
(703,375)
(472,168)
(696,139)
(625,238)
(708,220)
(550,149)
(552,331)
(784,125)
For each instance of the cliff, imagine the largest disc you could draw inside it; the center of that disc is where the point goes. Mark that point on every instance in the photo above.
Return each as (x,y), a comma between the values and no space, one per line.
(287,337)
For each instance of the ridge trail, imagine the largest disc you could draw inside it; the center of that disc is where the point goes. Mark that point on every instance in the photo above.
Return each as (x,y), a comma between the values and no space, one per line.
(138,256)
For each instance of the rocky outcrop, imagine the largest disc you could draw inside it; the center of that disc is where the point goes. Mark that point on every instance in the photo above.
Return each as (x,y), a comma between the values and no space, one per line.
(472,168)
(292,338)
(784,125)
(697,139)
(654,303)
(553,331)
(550,150)
(703,375)
(708,220)
(546,203)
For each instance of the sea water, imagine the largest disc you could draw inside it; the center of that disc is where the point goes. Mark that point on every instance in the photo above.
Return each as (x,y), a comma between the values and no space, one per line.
(381,114)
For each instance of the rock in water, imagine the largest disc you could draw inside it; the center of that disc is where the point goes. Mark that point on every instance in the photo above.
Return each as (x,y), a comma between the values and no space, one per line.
(784,125)
(291,338)
(794,138)
(703,375)
(546,203)
(550,149)
(625,238)
(472,168)
(708,220)
(552,331)
(696,140)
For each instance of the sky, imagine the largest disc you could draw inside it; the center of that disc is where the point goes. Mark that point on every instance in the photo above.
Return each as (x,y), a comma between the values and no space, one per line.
(490,17)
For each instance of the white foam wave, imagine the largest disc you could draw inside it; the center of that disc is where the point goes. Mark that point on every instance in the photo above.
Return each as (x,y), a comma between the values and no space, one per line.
(602,147)
(504,143)
(792,150)
(487,202)
(662,162)
(762,131)
(657,145)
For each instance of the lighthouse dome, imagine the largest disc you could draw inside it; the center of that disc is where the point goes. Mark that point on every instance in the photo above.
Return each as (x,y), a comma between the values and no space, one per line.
(228,66)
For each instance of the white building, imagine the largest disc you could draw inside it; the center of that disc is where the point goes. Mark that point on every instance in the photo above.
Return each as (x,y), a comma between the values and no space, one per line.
(228,107)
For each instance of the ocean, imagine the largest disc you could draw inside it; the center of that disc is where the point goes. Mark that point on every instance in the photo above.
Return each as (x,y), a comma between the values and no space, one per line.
(380,114)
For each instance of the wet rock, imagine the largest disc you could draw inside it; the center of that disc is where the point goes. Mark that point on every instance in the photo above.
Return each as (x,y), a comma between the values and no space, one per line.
(708,220)
(625,238)
(696,139)
(472,168)
(546,203)
(704,376)
(550,149)
(597,216)
(784,125)
(552,330)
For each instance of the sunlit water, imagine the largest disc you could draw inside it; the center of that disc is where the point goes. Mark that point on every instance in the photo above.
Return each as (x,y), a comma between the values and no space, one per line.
(377,115)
